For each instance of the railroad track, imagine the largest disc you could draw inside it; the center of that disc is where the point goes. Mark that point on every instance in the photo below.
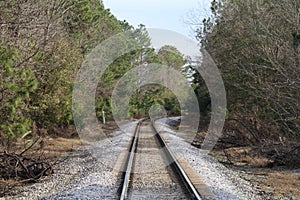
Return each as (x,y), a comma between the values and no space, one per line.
(152,171)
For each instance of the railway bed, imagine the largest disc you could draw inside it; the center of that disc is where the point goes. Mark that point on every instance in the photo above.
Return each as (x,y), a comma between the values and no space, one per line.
(151,171)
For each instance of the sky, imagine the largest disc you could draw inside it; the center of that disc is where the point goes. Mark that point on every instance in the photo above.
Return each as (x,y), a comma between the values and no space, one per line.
(164,14)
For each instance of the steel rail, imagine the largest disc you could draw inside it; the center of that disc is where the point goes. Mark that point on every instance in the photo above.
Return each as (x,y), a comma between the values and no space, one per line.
(129,163)
(170,155)
(184,177)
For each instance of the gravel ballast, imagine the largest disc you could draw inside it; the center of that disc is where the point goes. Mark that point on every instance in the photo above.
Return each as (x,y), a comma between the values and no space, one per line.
(223,182)
(88,173)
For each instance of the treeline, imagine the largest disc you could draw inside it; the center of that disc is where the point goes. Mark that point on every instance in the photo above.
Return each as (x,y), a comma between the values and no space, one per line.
(256,45)
(42,46)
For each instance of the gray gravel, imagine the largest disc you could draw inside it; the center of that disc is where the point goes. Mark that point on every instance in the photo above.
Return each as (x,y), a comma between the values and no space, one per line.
(89,173)
(153,178)
(223,182)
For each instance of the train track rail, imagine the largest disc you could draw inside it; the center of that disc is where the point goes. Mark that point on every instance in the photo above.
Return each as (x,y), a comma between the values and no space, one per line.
(152,171)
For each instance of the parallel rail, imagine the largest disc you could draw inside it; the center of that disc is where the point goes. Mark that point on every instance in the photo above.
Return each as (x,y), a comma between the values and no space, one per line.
(180,171)
(129,162)
(170,156)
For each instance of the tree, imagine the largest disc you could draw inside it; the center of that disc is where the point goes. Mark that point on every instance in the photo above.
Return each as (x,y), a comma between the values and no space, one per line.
(256,46)
(89,23)
(50,40)
(16,87)
(158,94)
(144,54)
(170,56)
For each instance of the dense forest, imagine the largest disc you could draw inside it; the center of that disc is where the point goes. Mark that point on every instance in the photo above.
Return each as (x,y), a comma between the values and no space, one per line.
(43,44)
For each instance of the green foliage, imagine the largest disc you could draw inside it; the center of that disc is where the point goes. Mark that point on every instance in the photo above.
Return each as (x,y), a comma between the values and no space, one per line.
(53,105)
(90,23)
(123,64)
(171,57)
(16,87)
(150,95)
(103,105)
(157,94)
(201,92)
(36,84)
(40,59)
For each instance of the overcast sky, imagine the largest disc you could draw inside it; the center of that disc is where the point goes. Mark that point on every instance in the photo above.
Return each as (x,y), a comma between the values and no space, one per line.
(165,14)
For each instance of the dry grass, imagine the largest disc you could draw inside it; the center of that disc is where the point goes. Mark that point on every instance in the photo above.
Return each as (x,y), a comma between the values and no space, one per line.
(241,156)
(275,183)
(284,183)
(57,147)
